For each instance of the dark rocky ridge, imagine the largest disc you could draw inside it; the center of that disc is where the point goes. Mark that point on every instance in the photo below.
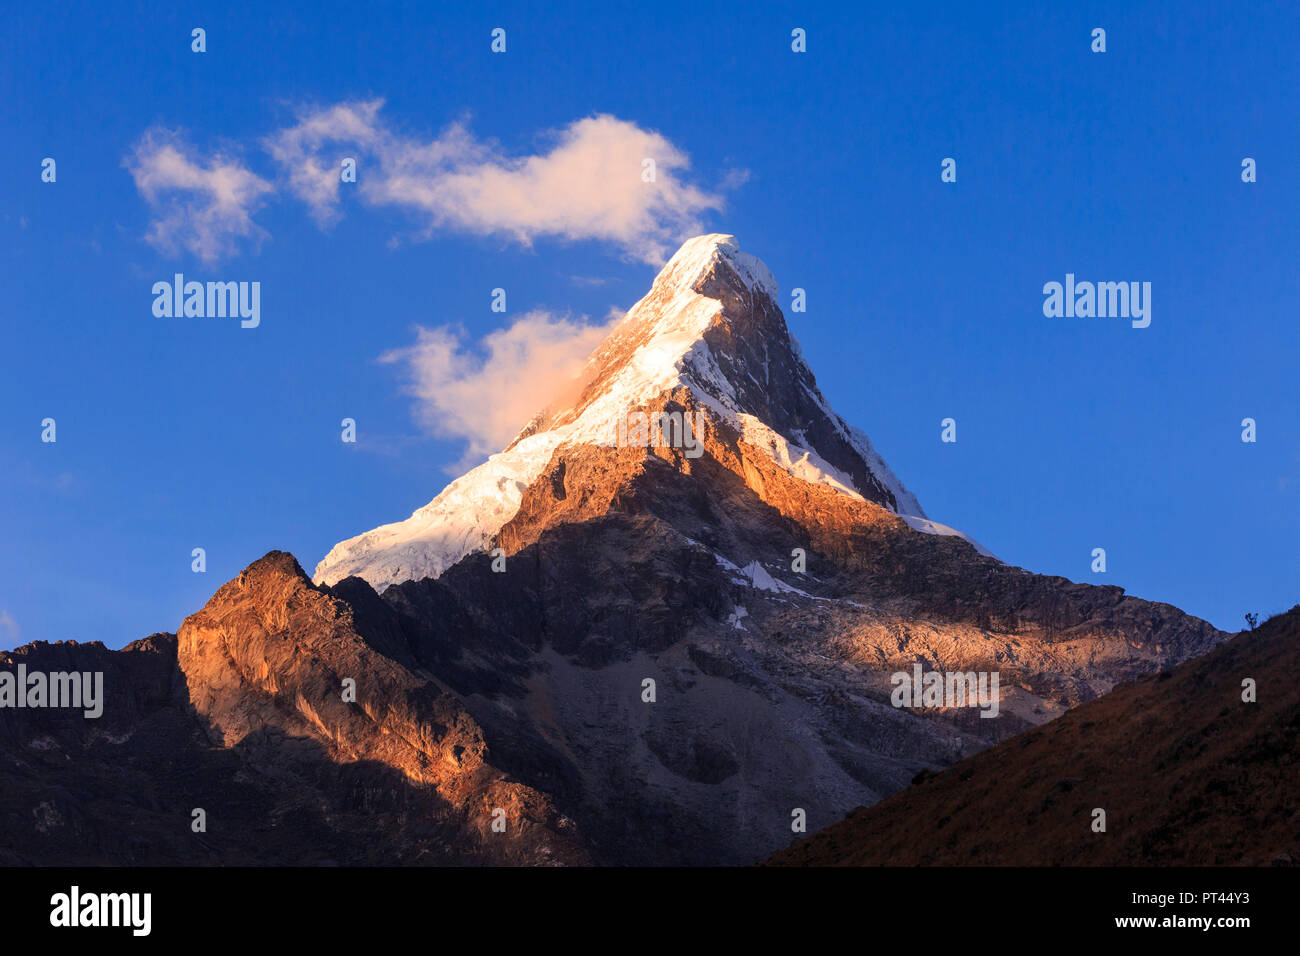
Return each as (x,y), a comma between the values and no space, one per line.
(518,690)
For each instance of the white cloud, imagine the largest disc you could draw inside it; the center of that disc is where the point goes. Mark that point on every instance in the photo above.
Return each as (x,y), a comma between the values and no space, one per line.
(588,183)
(486,395)
(313,174)
(202,206)
(9,627)
(587,186)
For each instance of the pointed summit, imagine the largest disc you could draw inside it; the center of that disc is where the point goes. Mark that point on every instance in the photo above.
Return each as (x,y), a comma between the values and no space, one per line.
(692,264)
(708,339)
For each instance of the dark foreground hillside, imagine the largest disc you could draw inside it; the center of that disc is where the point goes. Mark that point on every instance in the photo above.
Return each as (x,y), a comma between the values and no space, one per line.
(1187,773)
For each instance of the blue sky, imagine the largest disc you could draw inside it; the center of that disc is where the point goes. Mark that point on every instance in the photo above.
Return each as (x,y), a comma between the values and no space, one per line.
(924,298)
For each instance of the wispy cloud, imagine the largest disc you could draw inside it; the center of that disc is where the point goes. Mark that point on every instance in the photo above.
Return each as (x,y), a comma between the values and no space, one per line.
(587,185)
(312,172)
(201,205)
(9,628)
(485,394)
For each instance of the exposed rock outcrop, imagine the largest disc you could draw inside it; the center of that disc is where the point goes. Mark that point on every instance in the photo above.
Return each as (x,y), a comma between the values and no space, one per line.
(243,716)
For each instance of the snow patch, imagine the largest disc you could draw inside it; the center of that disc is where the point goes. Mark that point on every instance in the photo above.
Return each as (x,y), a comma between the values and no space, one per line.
(933,527)
(758,577)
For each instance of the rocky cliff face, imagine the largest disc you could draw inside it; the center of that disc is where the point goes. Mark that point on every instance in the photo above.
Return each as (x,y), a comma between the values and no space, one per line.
(650,653)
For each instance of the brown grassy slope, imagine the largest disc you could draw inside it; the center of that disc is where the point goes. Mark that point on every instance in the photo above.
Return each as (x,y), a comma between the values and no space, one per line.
(1187,773)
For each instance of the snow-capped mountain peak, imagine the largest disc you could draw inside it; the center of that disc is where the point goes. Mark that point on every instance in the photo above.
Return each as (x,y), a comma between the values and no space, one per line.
(710,325)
